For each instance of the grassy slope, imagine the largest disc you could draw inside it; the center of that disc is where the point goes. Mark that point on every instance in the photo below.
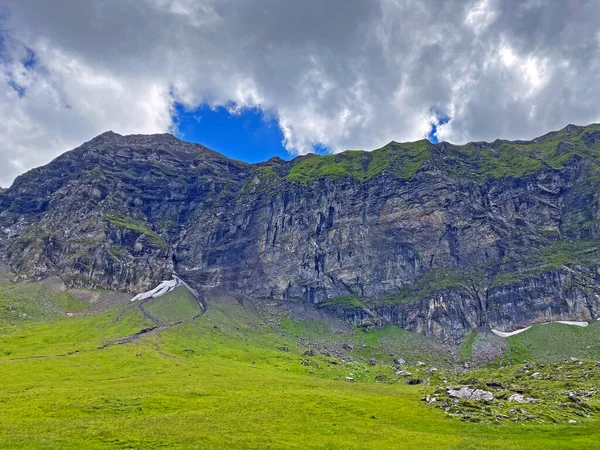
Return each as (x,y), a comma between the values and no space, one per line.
(176,306)
(221,381)
(555,341)
(21,303)
(548,384)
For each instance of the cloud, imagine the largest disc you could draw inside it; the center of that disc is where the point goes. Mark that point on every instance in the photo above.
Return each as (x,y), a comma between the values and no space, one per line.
(342,73)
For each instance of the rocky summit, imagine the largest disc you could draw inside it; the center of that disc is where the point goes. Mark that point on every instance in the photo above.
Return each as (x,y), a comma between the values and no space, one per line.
(436,238)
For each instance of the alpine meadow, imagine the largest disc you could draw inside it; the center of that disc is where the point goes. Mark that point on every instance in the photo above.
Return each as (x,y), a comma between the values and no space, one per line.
(283,224)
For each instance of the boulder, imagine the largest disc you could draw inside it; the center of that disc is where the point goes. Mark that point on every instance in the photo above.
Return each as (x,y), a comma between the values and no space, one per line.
(518,398)
(573,360)
(430,400)
(470,393)
(574,398)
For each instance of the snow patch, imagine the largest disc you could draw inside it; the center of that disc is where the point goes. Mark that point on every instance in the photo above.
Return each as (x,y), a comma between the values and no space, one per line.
(577,324)
(565,322)
(511,333)
(162,289)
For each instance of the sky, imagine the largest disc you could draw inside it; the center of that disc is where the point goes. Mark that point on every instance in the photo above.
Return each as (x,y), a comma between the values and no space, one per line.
(261,78)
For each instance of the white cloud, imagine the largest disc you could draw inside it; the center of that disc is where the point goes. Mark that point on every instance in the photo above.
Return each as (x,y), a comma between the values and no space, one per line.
(66,102)
(480,16)
(342,73)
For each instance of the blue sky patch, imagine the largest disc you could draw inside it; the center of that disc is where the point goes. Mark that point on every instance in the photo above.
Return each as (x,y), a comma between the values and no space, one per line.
(442,119)
(29,61)
(20,90)
(249,135)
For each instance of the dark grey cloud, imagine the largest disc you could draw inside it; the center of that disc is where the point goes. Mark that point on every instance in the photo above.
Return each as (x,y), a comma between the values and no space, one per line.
(343,73)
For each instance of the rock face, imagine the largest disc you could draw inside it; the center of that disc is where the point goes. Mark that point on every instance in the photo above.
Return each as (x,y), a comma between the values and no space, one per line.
(436,238)
(470,393)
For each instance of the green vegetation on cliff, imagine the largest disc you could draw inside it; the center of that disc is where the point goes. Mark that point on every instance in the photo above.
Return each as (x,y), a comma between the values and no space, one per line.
(477,161)
(403,160)
(434,281)
(345,301)
(138,226)
(557,255)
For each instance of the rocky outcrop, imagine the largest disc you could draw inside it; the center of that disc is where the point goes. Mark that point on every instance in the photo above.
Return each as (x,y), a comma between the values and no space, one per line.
(470,393)
(436,238)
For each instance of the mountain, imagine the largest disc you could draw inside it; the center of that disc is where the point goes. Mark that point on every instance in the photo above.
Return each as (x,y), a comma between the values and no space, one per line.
(436,238)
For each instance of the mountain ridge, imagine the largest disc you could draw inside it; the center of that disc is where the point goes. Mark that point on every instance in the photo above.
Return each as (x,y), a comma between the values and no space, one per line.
(436,238)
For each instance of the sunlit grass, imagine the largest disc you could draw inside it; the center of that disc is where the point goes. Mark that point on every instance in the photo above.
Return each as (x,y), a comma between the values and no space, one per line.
(224,380)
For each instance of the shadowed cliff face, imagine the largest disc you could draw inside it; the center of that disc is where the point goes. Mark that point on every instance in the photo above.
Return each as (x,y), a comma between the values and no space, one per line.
(438,239)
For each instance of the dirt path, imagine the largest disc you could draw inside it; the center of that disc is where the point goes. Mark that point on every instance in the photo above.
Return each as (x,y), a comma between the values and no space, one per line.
(159,323)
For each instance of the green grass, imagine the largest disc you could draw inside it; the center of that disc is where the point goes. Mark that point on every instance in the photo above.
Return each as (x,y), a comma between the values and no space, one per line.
(224,380)
(477,161)
(555,341)
(306,329)
(480,161)
(267,174)
(345,301)
(138,226)
(547,384)
(402,160)
(390,342)
(33,302)
(176,306)
(466,349)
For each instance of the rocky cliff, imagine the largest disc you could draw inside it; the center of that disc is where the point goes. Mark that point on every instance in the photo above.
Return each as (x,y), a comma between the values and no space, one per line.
(436,238)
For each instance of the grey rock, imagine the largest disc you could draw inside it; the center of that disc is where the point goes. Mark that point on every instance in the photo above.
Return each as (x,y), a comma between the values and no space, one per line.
(574,398)
(430,400)
(470,393)
(126,212)
(518,398)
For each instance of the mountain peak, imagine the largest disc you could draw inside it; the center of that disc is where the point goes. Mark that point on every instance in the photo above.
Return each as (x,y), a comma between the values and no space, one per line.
(161,142)
(106,136)
(111,136)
